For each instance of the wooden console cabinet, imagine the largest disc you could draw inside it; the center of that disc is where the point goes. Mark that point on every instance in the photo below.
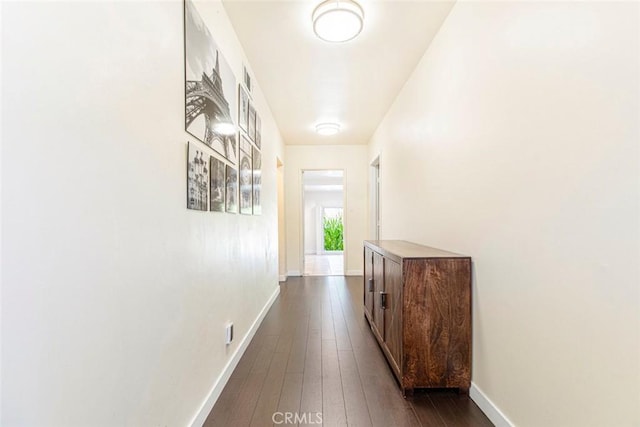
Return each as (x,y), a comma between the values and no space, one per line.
(417,300)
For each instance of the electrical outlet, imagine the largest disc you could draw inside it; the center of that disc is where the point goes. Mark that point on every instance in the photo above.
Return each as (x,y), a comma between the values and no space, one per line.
(229,333)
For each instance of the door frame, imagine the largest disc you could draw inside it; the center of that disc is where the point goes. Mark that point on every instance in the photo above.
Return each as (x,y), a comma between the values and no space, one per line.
(302,216)
(282,232)
(374,198)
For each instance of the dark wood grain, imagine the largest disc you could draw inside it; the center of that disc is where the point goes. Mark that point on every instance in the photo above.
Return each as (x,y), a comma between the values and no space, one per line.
(452,410)
(368,278)
(246,399)
(393,313)
(288,367)
(428,414)
(343,342)
(291,393)
(311,399)
(223,409)
(426,328)
(333,408)
(295,364)
(469,411)
(401,249)
(354,398)
(269,396)
(449,323)
(378,288)
(416,351)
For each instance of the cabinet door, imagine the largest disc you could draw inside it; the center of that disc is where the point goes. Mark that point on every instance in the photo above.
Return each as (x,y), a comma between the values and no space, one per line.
(393,311)
(378,289)
(368,282)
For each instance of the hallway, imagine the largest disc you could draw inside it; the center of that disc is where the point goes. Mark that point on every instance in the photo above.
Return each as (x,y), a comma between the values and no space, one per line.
(314,353)
(324,265)
(162,162)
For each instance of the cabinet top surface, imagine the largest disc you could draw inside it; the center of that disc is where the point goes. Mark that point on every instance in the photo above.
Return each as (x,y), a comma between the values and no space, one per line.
(405,249)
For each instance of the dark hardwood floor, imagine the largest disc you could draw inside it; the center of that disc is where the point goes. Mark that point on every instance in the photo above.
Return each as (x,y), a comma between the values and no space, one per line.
(315,356)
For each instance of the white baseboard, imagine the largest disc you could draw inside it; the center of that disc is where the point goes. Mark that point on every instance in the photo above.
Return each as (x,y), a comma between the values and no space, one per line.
(294,273)
(354,273)
(222,379)
(488,407)
(282,278)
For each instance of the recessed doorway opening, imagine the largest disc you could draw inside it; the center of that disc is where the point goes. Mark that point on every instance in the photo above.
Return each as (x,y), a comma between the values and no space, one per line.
(323,222)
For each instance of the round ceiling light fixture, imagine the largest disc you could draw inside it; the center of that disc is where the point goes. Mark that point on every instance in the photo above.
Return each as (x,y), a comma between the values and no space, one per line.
(338,20)
(327,128)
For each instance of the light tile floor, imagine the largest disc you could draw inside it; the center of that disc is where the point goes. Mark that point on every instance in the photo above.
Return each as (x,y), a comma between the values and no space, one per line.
(324,265)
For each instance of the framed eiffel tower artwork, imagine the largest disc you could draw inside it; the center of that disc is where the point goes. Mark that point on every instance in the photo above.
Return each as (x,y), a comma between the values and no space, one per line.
(210,89)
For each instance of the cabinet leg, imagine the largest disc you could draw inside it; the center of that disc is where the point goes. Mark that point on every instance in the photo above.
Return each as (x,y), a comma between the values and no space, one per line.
(407,393)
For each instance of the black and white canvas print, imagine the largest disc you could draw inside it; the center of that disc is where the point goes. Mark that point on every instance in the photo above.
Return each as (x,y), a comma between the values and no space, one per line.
(257,182)
(246,177)
(217,185)
(258,139)
(210,88)
(246,78)
(243,109)
(245,145)
(252,123)
(197,178)
(232,189)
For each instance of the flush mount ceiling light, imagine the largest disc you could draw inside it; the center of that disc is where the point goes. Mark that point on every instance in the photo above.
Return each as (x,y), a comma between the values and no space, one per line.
(337,20)
(327,128)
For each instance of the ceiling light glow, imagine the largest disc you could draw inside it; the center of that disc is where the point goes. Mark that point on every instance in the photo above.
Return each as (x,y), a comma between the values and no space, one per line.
(338,20)
(327,128)
(224,128)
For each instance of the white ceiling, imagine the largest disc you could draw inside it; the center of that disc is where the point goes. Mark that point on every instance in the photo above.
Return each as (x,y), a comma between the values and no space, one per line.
(307,81)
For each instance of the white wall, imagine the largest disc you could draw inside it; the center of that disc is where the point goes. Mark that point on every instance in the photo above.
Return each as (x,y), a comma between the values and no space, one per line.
(114,294)
(516,141)
(353,160)
(314,201)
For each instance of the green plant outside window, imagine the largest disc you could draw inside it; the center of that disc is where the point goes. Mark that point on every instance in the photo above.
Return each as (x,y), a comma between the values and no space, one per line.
(333,233)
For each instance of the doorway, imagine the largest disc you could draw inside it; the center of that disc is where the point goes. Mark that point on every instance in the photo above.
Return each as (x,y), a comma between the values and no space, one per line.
(323,222)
